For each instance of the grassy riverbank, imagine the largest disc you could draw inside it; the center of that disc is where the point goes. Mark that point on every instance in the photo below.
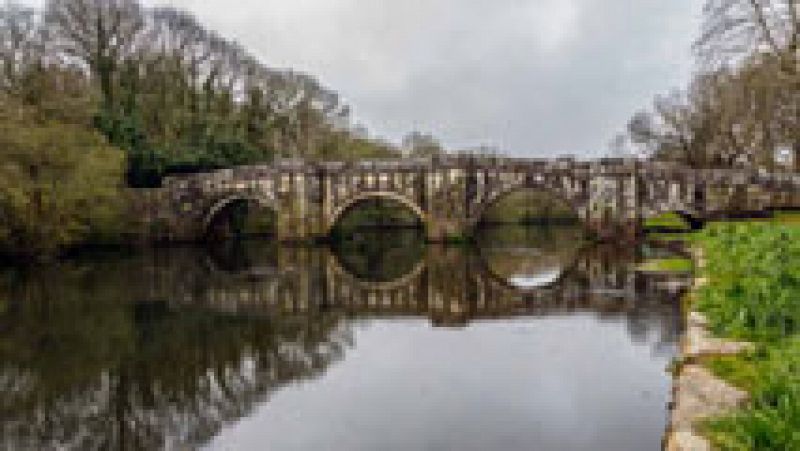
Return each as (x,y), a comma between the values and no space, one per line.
(753,294)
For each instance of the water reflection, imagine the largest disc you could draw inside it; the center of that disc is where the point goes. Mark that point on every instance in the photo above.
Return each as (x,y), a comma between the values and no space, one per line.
(529,257)
(164,349)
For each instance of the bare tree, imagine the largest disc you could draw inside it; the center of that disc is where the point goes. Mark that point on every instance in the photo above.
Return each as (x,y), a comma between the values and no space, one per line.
(762,34)
(737,29)
(745,103)
(673,131)
(100,33)
(22,45)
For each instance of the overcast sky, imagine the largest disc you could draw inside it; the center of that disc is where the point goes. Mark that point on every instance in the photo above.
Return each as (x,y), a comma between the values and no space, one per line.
(533,77)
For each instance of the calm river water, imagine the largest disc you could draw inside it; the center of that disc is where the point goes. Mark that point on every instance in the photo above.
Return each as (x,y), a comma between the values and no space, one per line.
(529,340)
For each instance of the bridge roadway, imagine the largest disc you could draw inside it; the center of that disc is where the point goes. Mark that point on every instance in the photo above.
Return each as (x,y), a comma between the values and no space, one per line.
(450,195)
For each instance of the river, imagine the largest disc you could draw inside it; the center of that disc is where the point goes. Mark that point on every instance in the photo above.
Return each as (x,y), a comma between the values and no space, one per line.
(528,339)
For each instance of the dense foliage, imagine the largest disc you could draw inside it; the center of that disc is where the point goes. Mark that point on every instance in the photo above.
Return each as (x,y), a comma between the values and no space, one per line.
(754,294)
(60,184)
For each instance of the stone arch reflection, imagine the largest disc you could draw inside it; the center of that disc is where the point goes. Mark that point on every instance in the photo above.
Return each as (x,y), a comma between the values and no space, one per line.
(379,255)
(241,257)
(529,261)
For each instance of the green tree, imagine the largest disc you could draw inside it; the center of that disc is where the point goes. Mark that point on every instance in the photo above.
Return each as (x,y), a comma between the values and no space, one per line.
(59,185)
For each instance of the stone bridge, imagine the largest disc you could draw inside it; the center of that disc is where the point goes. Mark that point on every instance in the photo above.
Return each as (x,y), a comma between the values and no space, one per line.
(450,195)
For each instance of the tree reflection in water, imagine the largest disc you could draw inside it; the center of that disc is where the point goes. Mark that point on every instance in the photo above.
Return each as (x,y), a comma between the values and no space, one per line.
(164,349)
(87,365)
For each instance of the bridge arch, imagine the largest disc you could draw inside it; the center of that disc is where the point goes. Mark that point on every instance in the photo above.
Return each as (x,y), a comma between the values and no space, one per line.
(219,205)
(497,196)
(341,210)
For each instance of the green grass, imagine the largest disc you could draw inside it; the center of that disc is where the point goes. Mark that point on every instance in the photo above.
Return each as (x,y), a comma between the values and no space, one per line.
(671,227)
(753,294)
(740,370)
(787,217)
(772,376)
(667,265)
(667,221)
(755,270)
(668,236)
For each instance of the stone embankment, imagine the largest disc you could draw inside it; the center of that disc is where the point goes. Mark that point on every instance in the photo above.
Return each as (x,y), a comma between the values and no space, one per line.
(697,393)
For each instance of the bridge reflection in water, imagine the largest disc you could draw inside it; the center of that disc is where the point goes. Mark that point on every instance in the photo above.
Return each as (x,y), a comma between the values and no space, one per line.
(166,348)
(449,285)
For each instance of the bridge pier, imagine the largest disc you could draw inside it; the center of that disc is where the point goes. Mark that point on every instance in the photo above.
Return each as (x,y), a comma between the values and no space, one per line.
(443,230)
(626,231)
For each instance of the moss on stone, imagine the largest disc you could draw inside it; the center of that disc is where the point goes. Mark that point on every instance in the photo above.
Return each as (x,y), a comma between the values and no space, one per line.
(667,221)
(667,265)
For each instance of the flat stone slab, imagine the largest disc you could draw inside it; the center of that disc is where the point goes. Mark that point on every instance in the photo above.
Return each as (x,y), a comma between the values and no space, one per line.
(699,395)
(699,342)
(686,441)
